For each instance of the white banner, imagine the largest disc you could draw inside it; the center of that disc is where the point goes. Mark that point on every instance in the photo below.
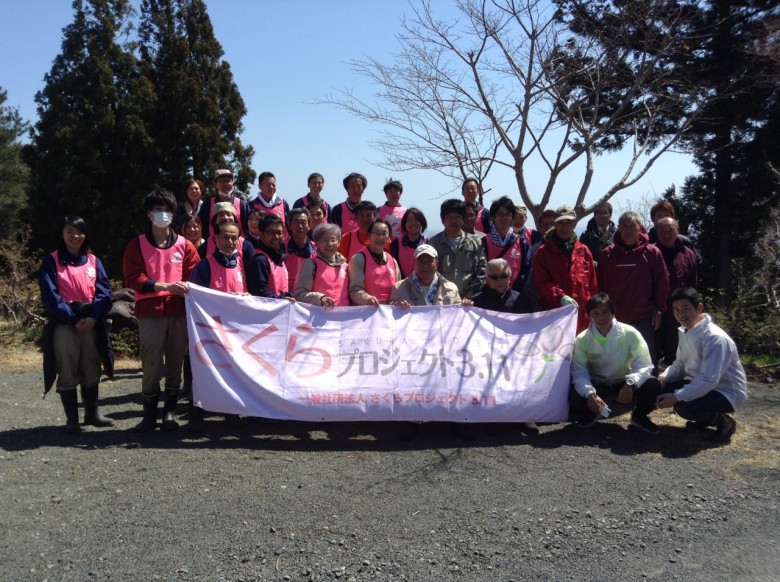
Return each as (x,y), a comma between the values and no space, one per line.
(276,359)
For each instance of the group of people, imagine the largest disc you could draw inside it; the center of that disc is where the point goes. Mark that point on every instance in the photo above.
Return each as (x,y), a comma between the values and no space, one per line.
(356,253)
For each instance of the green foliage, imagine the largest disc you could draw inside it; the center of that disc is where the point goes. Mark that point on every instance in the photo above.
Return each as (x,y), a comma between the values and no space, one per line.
(125,343)
(14,173)
(755,329)
(113,126)
(734,134)
(88,155)
(33,334)
(196,113)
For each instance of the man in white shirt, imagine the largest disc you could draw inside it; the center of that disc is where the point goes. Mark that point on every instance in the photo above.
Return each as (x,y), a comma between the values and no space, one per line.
(708,356)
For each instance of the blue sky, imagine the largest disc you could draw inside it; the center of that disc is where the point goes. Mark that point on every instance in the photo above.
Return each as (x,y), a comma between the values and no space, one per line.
(287,55)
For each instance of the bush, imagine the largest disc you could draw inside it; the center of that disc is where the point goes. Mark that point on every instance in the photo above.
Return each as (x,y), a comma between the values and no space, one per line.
(125,343)
(20,298)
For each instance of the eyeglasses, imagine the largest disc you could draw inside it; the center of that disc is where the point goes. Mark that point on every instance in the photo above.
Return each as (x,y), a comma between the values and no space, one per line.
(497,277)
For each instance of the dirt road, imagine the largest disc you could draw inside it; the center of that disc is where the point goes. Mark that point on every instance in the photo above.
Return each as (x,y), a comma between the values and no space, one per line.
(297,501)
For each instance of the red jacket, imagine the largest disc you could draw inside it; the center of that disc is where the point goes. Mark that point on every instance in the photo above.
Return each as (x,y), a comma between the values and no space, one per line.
(636,280)
(681,264)
(557,274)
(137,279)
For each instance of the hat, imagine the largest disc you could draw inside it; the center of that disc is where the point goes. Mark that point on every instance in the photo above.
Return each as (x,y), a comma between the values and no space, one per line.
(426,250)
(224,207)
(521,209)
(219,173)
(565,213)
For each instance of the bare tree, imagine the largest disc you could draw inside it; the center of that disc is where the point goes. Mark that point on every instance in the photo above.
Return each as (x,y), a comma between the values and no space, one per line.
(508,85)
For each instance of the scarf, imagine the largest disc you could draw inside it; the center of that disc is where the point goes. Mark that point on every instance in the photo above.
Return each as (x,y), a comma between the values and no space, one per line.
(228,261)
(432,289)
(502,242)
(275,201)
(567,246)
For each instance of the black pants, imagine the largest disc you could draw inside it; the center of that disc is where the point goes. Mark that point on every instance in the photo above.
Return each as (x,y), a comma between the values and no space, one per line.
(645,397)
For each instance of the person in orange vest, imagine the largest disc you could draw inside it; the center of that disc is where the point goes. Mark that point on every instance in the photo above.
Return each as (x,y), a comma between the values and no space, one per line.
(156,265)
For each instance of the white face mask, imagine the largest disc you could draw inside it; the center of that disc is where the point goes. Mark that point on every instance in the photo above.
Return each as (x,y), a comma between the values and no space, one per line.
(162,219)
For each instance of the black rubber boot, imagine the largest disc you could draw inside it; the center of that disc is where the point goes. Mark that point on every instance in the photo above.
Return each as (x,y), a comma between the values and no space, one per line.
(149,421)
(186,387)
(71,405)
(169,409)
(92,416)
(195,422)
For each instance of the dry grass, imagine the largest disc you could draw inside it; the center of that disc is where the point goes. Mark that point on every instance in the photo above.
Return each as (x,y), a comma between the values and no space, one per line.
(20,355)
(20,358)
(755,445)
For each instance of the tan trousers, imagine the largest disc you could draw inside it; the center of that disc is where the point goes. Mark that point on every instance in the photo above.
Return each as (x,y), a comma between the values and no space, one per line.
(77,358)
(162,343)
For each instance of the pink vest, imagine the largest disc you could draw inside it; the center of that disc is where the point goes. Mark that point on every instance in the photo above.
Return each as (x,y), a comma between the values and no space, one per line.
(278,278)
(514,256)
(76,282)
(225,279)
(277,210)
(332,281)
(236,207)
(211,245)
(393,215)
(305,201)
(293,264)
(163,265)
(379,279)
(348,219)
(405,256)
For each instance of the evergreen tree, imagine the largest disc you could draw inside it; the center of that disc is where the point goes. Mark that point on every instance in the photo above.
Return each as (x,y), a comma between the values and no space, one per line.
(731,137)
(88,153)
(197,111)
(14,173)
(734,139)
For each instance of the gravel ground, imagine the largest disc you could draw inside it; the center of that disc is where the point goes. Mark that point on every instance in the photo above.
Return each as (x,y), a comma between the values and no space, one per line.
(351,501)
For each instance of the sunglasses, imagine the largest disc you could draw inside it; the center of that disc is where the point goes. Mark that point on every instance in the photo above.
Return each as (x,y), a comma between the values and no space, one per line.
(497,277)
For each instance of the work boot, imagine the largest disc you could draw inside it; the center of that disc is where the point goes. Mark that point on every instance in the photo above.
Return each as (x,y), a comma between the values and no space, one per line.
(726,427)
(186,387)
(92,416)
(169,409)
(149,421)
(71,405)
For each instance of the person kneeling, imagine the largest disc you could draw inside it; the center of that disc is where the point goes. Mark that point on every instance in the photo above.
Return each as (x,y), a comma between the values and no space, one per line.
(709,357)
(611,359)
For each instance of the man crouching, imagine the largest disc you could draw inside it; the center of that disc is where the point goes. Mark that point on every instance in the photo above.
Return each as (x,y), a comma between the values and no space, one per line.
(611,360)
(708,356)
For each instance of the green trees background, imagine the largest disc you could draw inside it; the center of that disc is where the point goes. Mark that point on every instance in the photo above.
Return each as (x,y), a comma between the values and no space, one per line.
(139,99)
(126,110)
